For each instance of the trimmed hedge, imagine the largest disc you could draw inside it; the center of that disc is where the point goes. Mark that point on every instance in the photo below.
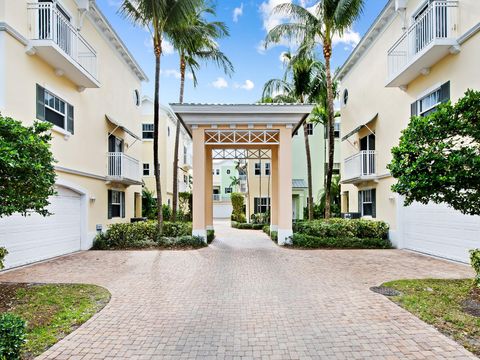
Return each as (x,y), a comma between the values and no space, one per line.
(12,336)
(314,242)
(343,228)
(186,241)
(139,235)
(272,234)
(210,236)
(246,226)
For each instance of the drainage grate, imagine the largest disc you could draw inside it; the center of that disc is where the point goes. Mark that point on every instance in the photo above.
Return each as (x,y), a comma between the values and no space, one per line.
(383,290)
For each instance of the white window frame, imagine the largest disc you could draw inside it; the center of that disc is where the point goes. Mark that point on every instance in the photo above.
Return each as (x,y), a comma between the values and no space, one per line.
(47,106)
(119,204)
(363,194)
(147,168)
(258,169)
(267,169)
(263,204)
(228,190)
(147,131)
(419,102)
(310,128)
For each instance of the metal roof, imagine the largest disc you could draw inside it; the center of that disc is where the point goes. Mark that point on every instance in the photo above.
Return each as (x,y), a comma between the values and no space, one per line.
(299,184)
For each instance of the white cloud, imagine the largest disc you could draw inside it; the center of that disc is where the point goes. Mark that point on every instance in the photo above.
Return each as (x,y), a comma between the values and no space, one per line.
(283,59)
(220,83)
(175,74)
(115,3)
(247,85)
(237,12)
(167,47)
(349,37)
(271,20)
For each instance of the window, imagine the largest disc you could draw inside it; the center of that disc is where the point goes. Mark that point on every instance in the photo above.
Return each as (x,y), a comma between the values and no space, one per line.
(228,172)
(136,97)
(336,130)
(185,179)
(261,205)
(367,202)
(115,145)
(116,204)
(345,97)
(428,103)
(228,190)
(267,169)
(310,129)
(258,168)
(147,131)
(54,110)
(217,171)
(185,160)
(168,130)
(168,202)
(146,169)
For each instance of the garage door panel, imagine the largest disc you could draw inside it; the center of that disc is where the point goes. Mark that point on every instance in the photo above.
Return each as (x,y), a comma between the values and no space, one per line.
(33,238)
(440,230)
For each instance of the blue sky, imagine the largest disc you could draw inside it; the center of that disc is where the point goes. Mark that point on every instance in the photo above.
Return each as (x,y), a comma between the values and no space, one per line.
(248,21)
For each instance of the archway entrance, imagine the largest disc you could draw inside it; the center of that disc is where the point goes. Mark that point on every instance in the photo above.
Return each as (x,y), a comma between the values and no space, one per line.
(221,131)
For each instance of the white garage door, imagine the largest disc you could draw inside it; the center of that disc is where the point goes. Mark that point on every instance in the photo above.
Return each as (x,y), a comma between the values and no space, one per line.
(439,230)
(33,238)
(222,211)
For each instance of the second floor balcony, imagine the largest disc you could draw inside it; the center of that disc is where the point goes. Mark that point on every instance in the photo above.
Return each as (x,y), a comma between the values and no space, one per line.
(57,41)
(360,167)
(431,37)
(123,169)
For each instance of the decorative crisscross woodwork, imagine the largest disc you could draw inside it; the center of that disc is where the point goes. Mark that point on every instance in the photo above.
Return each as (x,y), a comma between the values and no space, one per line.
(241,154)
(242,137)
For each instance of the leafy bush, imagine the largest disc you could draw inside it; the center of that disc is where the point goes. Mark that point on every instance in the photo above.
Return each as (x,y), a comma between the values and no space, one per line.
(266,229)
(166,211)
(475,262)
(210,236)
(274,236)
(314,242)
(343,228)
(246,226)
(237,203)
(12,336)
(261,218)
(3,253)
(188,241)
(149,204)
(138,235)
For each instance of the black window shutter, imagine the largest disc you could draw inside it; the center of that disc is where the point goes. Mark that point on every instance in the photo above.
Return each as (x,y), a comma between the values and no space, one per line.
(445,92)
(414,109)
(374,203)
(40,103)
(109,204)
(122,199)
(70,118)
(255,205)
(360,203)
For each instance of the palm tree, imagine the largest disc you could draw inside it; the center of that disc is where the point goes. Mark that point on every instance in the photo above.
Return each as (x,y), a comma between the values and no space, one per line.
(160,17)
(304,81)
(195,40)
(235,182)
(328,18)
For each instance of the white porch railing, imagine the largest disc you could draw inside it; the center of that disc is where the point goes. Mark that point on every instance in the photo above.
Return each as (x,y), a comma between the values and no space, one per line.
(122,167)
(46,22)
(439,21)
(360,165)
(219,197)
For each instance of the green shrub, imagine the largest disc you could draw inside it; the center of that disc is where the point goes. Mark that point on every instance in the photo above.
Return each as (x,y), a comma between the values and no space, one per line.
(266,229)
(343,228)
(176,229)
(475,262)
(12,336)
(237,203)
(274,236)
(246,226)
(261,218)
(188,241)
(210,236)
(314,242)
(3,253)
(167,212)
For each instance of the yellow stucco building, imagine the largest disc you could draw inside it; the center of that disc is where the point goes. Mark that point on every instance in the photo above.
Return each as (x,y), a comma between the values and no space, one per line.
(59,62)
(417,54)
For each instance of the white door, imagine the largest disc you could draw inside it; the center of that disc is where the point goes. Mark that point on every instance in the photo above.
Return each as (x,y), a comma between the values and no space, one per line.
(34,238)
(222,211)
(439,230)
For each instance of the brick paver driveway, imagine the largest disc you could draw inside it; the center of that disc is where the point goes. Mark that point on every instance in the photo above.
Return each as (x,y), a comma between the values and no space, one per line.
(244,297)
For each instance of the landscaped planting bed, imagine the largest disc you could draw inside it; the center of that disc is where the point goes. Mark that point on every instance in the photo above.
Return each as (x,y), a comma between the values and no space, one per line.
(247,226)
(39,315)
(341,234)
(451,306)
(143,235)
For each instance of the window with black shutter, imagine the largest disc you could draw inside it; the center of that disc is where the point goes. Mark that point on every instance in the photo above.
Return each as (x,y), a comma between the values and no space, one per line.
(428,103)
(116,204)
(54,110)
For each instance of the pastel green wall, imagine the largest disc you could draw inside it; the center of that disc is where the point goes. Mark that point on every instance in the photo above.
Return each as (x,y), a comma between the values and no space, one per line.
(225,178)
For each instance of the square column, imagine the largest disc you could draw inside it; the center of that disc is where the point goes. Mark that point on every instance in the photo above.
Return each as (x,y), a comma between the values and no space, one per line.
(198,189)
(208,189)
(285,186)
(274,192)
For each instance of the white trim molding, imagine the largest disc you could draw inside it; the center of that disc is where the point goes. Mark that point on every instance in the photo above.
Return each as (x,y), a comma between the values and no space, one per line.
(285,236)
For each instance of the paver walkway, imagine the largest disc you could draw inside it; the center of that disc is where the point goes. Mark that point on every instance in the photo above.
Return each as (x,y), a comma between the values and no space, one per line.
(244,297)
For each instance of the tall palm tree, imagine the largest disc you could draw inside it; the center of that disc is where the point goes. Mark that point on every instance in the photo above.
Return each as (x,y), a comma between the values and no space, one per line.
(304,81)
(195,40)
(319,25)
(160,17)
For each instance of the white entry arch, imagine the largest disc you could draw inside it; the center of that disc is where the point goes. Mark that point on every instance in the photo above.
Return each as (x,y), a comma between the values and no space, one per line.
(247,130)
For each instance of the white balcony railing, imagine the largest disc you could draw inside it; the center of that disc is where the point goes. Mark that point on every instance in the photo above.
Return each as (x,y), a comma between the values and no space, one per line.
(360,165)
(438,22)
(123,168)
(220,197)
(46,22)
(187,160)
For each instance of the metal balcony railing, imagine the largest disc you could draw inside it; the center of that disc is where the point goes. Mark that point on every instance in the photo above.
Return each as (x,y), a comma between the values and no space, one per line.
(439,21)
(46,22)
(360,165)
(123,168)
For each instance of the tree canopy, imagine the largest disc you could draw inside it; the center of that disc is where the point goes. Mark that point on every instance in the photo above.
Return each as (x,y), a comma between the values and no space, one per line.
(438,158)
(27,175)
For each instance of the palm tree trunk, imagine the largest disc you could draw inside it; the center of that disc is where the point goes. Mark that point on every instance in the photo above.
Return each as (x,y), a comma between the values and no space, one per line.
(156,116)
(309,171)
(177,140)
(327,52)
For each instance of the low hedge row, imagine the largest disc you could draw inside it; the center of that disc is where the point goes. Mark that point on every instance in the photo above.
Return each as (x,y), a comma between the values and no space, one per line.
(315,242)
(272,234)
(247,226)
(210,236)
(343,228)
